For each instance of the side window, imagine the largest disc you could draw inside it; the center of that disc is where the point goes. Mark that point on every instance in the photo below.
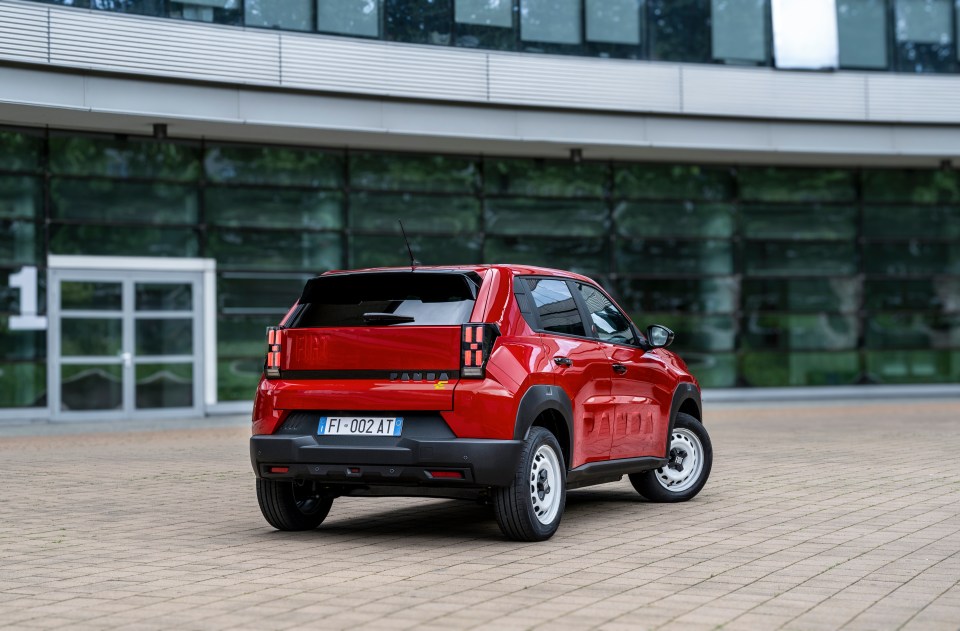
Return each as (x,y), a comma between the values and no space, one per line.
(556,307)
(608,323)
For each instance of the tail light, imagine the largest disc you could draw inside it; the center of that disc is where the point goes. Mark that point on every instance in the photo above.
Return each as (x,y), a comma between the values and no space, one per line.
(274,345)
(476,343)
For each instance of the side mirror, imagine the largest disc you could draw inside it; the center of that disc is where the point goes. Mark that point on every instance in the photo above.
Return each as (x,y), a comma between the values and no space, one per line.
(659,336)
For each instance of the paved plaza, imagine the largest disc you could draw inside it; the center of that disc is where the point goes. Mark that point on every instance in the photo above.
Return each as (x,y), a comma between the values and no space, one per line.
(820,516)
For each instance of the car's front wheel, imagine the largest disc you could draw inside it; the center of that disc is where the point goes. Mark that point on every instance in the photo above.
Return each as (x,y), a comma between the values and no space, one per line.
(292,504)
(689,460)
(531,507)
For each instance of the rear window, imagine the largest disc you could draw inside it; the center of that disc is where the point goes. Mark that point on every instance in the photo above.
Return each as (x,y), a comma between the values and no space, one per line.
(387,299)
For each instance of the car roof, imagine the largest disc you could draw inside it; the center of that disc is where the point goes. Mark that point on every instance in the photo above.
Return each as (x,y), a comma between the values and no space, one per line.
(508,268)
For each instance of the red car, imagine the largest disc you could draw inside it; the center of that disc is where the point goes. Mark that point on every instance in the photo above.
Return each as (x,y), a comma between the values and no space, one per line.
(506,384)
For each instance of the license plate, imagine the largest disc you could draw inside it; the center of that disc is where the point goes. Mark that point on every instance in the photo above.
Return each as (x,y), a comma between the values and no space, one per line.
(360,426)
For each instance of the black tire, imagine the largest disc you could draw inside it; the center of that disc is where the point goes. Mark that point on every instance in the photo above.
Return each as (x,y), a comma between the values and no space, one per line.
(514,505)
(292,504)
(654,485)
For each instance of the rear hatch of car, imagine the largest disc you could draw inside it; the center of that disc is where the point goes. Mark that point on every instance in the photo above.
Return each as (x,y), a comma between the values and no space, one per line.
(375,341)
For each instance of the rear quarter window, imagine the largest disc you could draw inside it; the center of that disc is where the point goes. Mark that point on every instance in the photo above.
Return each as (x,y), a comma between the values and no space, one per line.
(556,308)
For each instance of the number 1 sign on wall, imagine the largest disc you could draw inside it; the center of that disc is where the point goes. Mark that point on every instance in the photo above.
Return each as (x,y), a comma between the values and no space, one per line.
(26,281)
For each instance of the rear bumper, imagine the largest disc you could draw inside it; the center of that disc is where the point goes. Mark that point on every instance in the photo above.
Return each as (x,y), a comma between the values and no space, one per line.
(407,463)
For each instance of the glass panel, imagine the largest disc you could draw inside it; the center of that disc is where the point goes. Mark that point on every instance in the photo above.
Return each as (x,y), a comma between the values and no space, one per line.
(91,387)
(706,295)
(543,217)
(349,17)
(163,296)
(19,197)
(388,251)
(680,30)
(739,30)
(917,221)
(696,333)
(802,294)
(907,185)
(217,11)
(90,337)
(584,256)
(484,12)
(862,31)
(913,330)
(19,151)
(800,332)
(713,370)
(556,307)
(613,21)
(169,336)
(21,345)
(675,257)
(690,219)
(19,242)
(924,35)
(295,15)
(164,386)
(912,258)
(418,22)
(274,208)
(275,250)
(799,222)
(807,259)
(413,173)
(673,182)
(244,335)
(913,366)
(609,325)
(797,185)
(800,369)
(420,213)
(550,21)
(82,155)
(237,378)
(273,165)
(23,385)
(123,241)
(539,178)
(117,201)
(140,7)
(927,294)
(260,293)
(91,296)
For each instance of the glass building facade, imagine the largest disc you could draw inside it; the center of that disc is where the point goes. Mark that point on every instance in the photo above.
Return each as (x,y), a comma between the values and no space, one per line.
(781,276)
(897,35)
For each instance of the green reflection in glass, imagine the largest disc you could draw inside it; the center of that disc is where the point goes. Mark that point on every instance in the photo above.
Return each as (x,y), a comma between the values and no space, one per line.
(800,368)
(388,251)
(911,221)
(19,242)
(543,178)
(163,296)
(801,294)
(799,222)
(239,336)
(168,336)
(164,386)
(123,241)
(674,257)
(90,337)
(388,172)
(91,387)
(284,166)
(799,332)
(275,250)
(21,345)
(379,212)
(237,378)
(914,257)
(919,366)
(20,151)
(713,370)
(705,295)
(913,330)
(862,32)
(680,30)
(274,207)
(258,293)
(798,258)
(797,185)
(657,181)
(694,333)
(19,197)
(941,293)
(79,155)
(23,385)
(118,201)
(91,295)
(541,217)
(908,185)
(584,256)
(418,22)
(739,30)
(646,219)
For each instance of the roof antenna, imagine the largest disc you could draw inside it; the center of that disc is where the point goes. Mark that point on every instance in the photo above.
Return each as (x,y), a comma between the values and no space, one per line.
(413,262)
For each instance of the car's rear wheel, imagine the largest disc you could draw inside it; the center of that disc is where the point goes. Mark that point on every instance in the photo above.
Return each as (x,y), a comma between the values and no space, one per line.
(689,460)
(531,507)
(292,504)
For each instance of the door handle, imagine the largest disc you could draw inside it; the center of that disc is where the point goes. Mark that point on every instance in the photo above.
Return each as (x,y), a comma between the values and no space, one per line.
(620,369)
(563,361)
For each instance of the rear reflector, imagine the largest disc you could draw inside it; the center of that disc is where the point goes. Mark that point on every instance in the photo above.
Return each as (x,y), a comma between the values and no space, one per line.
(279,469)
(274,347)
(476,343)
(450,475)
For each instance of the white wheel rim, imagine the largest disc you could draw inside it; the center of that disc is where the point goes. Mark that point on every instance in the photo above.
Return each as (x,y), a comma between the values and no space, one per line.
(545,484)
(685,462)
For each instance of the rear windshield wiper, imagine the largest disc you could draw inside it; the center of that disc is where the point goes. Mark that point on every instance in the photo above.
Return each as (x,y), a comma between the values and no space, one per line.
(385,318)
